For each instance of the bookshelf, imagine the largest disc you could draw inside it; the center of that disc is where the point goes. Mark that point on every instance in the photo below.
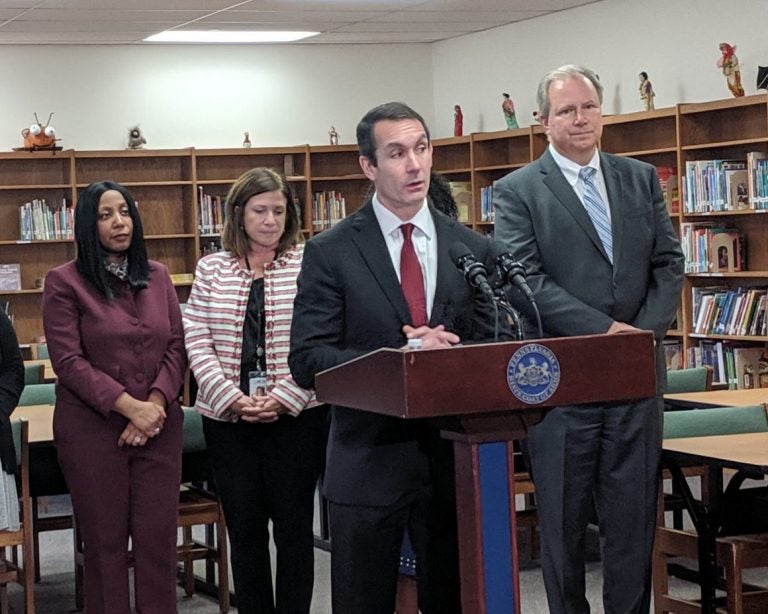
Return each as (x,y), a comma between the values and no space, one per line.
(168,184)
(724,130)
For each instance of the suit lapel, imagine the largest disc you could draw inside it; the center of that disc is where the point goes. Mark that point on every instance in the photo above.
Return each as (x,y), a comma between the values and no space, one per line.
(446,275)
(563,191)
(373,249)
(616,202)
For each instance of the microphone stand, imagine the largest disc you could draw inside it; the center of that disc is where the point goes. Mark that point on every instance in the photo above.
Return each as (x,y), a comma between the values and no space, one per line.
(500,302)
(501,297)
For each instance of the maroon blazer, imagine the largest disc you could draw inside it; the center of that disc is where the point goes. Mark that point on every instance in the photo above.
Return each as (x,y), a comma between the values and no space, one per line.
(101,347)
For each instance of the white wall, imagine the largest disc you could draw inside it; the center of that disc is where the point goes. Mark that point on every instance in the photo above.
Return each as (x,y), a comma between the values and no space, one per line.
(205,96)
(675,41)
(289,95)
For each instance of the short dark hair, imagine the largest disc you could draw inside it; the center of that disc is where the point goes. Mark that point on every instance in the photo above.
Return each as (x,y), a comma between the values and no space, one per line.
(569,71)
(90,252)
(251,183)
(441,196)
(389,111)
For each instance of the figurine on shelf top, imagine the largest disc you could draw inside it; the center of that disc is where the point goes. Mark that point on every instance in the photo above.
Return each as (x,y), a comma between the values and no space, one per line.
(729,64)
(458,121)
(508,108)
(247,140)
(38,137)
(646,91)
(136,139)
(333,136)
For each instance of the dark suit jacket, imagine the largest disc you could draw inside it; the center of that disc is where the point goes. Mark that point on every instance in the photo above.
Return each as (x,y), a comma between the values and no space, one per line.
(349,303)
(540,217)
(11,385)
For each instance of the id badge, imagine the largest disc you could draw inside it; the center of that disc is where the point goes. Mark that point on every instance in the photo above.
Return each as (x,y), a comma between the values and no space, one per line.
(257,383)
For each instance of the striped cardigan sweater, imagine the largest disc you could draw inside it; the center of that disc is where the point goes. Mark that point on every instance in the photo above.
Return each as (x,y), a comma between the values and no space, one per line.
(213,331)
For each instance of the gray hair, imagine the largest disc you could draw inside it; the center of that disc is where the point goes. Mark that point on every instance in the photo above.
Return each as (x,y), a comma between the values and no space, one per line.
(563,73)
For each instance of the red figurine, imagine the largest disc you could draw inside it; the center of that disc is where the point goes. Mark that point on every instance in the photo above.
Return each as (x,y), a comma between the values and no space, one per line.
(730,66)
(458,121)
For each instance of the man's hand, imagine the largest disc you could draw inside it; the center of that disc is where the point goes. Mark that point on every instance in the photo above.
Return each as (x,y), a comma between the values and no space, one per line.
(436,337)
(621,327)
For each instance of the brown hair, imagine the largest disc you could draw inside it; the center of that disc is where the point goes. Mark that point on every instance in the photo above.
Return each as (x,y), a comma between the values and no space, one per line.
(251,183)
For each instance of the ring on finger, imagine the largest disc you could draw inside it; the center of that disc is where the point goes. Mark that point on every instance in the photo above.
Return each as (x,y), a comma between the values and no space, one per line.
(137,439)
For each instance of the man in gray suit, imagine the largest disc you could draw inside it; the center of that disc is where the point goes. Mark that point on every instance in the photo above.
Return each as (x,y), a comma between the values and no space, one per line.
(601,256)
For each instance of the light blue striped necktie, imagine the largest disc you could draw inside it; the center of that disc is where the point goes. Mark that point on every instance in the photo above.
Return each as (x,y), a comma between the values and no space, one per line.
(597,210)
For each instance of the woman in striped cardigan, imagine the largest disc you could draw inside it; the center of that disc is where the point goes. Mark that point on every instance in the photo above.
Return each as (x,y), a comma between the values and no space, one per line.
(265,434)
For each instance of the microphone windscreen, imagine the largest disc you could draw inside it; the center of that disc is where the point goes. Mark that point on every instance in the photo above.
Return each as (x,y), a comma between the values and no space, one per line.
(458,250)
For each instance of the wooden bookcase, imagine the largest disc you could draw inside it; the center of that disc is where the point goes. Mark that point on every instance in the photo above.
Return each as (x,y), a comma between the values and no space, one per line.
(167,185)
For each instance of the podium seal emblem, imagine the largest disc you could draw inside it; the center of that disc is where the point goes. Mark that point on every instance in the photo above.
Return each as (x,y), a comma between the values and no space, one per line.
(533,373)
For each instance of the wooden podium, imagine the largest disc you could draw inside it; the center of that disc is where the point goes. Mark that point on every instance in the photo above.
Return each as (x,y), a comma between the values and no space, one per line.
(484,397)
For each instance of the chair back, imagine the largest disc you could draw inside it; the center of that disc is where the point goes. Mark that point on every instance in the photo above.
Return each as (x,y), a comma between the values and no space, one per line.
(39,351)
(715,421)
(38,394)
(194,458)
(696,379)
(33,374)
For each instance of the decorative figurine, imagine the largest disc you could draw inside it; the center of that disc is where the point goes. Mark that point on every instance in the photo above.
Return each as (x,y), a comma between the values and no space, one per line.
(136,139)
(38,137)
(508,107)
(333,136)
(762,77)
(646,91)
(729,63)
(247,140)
(458,121)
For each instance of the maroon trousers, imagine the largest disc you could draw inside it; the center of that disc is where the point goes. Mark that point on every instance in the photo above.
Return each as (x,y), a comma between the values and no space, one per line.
(119,493)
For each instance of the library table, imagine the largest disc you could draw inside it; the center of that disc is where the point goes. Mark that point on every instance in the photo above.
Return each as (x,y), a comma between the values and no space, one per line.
(746,453)
(40,418)
(719,398)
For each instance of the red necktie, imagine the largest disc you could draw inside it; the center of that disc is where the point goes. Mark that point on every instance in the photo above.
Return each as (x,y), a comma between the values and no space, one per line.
(412,279)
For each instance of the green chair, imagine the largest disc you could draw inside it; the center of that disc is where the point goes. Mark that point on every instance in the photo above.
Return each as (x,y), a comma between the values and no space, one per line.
(695,379)
(33,374)
(38,394)
(39,351)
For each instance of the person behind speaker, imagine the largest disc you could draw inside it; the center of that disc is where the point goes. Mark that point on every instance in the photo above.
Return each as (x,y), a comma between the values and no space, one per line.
(589,281)
(384,474)
(266,446)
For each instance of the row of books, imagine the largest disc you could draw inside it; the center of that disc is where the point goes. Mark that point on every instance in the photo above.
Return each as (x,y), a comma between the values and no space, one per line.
(210,247)
(328,208)
(39,221)
(709,248)
(726,185)
(724,311)
(210,213)
(668,180)
(734,366)
(487,210)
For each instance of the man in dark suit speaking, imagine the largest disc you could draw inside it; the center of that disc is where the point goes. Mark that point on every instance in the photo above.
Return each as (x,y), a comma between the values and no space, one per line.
(379,277)
(601,256)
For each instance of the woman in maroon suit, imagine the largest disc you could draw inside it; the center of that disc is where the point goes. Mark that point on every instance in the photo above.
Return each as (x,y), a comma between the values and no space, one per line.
(114,333)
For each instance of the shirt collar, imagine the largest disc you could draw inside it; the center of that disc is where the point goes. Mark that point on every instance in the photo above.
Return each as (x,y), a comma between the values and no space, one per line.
(569,168)
(390,223)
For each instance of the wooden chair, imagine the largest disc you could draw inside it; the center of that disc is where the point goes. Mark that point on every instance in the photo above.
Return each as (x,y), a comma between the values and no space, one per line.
(733,553)
(47,479)
(19,571)
(197,507)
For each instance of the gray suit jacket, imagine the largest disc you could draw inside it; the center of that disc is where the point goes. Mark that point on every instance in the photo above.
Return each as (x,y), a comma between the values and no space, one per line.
(542,220)
(349,303)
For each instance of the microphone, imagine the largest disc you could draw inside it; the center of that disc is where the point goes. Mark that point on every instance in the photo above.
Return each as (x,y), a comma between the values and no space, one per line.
(474,272)
(509,271)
